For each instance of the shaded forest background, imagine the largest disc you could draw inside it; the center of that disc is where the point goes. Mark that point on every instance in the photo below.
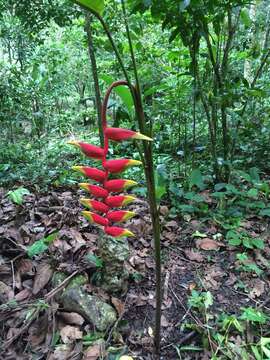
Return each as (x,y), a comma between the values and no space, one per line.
(205,84)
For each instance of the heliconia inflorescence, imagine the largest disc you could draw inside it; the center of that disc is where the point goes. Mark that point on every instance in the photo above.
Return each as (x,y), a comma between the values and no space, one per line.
(104,202)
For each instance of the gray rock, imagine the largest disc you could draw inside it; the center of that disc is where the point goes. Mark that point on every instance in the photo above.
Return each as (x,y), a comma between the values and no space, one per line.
(114,253)
(93,309)
(59,277)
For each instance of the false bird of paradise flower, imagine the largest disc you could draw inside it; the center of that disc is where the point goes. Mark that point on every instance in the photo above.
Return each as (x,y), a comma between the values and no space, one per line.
(102,211)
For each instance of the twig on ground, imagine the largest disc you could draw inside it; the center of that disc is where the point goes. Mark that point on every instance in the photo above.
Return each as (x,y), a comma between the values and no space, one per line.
(116,324)
(187,311)
(56,290)
(22,330)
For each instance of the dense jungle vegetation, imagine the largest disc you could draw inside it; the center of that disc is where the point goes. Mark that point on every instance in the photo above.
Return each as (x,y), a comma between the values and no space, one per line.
(203,70)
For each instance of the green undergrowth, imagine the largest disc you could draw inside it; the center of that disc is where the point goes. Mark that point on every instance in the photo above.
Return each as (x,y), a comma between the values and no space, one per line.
(225,336)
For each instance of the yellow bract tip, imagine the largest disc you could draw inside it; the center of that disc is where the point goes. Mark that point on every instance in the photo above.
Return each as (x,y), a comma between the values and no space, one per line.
(128,233)
(74,142)
(84,186)
(134,162)
(128,199)
(129,183)
(86,202)
(88,215)
(77,168)
(140,136)
(128,215)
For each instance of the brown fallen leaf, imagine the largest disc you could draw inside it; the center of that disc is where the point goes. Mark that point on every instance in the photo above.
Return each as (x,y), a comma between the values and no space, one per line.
(258,289)
(43,276)
(94,352)
(119,305)
(62,352)
(164,210)
(6,293)
(71,318)
(172,224)
(38,330)
(23,295)
(212,278)
(70,333)
(194,255)
(208,244)
(164,321)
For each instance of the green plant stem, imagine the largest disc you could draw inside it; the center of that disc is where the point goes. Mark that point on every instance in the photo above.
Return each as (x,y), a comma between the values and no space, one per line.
(150,179)
(108,33)
(148,168)
(94,73)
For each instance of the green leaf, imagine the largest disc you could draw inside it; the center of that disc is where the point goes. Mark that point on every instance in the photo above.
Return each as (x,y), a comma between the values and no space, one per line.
(190,348)
(95,5)
(233,238)
(247,242)
(16,196)
(264,341)
(254,315)
(37,248)
(184,4)
(50,238)
(254,174)
(253,193)
(265,212)
(95,260)
(193,197)
(208,299)
(196,179)
(235,241)
(244,175)
(256,352)
(160,191)
(41,245)
(122,91)
(199,234)
(187,208)
(245,19)
(266,351)
(258,243)
(253,268)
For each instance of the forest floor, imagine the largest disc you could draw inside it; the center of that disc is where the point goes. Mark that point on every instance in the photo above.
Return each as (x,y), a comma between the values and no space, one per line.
(215,302)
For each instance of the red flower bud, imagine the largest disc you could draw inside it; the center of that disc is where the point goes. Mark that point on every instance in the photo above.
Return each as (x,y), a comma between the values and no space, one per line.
(119,165)
(117,232)
(95,205)
(88,149)
(120,215)
(118,185)
(119,134)
(95,190)
(95,218)
(92,173)
(119,200)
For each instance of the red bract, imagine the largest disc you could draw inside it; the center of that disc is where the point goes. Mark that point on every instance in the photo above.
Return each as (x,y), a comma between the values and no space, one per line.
(118,185)
(118,232)
(120,215)
(119,134)
(95,218)
(88,149)
(92,173)
(119,200)
(108,185)
(95,190)
(95,205)
(119,165)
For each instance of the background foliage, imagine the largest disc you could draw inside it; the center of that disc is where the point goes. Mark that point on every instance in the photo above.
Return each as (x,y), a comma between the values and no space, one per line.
(205,81)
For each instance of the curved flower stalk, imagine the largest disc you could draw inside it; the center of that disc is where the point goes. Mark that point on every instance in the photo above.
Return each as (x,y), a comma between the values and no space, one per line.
(105,208)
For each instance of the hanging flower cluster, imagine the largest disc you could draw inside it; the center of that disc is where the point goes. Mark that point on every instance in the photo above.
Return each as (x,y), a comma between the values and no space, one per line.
(105,196)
